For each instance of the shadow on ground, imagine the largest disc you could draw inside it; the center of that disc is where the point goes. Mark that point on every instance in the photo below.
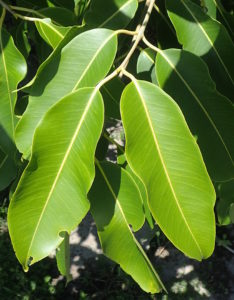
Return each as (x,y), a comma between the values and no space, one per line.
(95,277)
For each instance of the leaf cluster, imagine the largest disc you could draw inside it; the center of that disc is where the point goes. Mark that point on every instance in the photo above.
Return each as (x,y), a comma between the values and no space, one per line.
(69,70)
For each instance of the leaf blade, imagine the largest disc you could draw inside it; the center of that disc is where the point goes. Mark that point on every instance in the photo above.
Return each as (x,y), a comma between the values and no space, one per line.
(153,150)
(92,64)
(117,14)
(52,34)
(114,232)
(210,41)
(12,71)
(57,185)
(203,107)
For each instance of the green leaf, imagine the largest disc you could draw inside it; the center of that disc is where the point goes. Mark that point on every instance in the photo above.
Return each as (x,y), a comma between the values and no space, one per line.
(52,34)
(207,38)
(223,16)
(209,7)
(21,39)
(32,3)
(51,196)
(209,114)
(8,168)
(69,4)
(226,199)
(116,203)
(146,66)
(231,212)
(161,25)
(12,71)
(162,152)
(72,33)
(83,62)
(144,195)
(112,14)
(59,15)
(63,258)
(111,93)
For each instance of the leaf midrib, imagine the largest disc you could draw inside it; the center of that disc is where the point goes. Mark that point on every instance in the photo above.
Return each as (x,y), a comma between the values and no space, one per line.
(194,95)
(221,12)
(51,27)
(4,160)
(113,99)
(147,55)
(126,222)
(209,40)
(93,59)
(61,168)
(164,165)
(7,82)
(115,13)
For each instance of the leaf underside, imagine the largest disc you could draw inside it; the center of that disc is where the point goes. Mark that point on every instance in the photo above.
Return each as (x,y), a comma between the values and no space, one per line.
(115,191)
(209,114)
(51,196)
(163,153)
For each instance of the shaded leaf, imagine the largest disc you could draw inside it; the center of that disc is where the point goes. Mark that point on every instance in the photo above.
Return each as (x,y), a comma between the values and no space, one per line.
(51,194)
(226,199)
(209,6)
(73,32)
(209,114)
(111,93)
(80,64)
(161,24)
(221,15)
(21,40)
(63,258)
(61,16)
(12,71)
(146,65)
(144,195)
(162,152)
(231,211)
(32,3)
(111,14)
(207,38)
(69,4)
(116,203)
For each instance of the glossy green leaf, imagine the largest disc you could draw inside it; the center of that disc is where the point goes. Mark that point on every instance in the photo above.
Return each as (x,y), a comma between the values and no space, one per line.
(12,71)
(209,114)
(163,153)
(207,38)
(209,6)
(51,195)
(146,65)
(116,203)
(81,63)
(144,195)
(63,258)
(51,33)
(226,199)
(72,33)
(112,14)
